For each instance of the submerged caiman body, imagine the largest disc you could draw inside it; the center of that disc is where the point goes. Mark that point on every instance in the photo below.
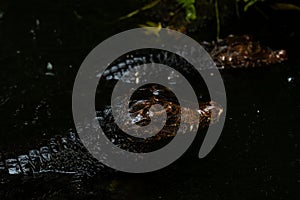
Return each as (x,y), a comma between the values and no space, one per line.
(243,52)
(69,156)
(58,155)
(231,52)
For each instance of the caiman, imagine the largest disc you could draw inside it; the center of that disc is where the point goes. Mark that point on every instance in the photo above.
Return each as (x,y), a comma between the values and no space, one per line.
(68,155)
(243,52)
(228,53)
(58,153)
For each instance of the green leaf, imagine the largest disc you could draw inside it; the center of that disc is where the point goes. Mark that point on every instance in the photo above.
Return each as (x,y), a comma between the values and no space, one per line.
(190,10)
(190,13)
(146,7)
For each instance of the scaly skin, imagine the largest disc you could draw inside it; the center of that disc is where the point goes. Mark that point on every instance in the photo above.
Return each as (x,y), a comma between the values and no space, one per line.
(230,52)
(244,52)
(68,155)
(59,155)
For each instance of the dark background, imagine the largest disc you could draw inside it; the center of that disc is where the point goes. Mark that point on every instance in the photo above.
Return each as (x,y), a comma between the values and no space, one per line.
(257,156)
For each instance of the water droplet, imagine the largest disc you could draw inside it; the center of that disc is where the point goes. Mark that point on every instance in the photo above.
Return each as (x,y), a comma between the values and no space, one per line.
(156,92)
(49,74)
(290,79)
(37,23)
(49,66)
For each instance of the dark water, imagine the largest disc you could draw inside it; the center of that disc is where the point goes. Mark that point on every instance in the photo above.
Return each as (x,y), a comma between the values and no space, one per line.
(257,156)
